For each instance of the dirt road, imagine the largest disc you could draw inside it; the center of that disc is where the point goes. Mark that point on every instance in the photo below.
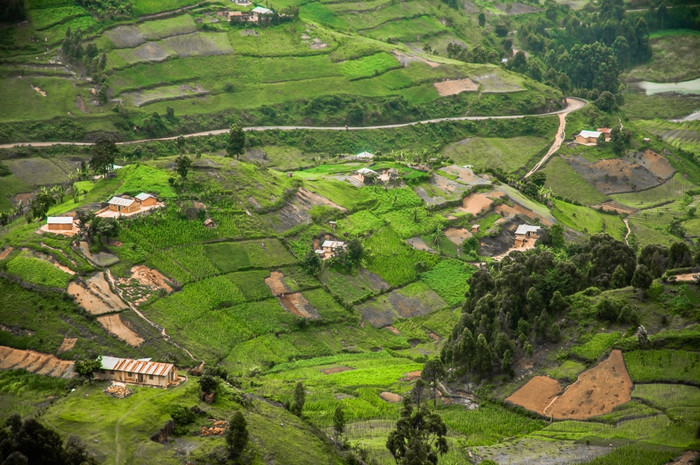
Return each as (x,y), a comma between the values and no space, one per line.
(573,104)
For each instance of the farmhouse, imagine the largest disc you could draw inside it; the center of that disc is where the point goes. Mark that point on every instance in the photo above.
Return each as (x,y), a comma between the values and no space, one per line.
(143,372)
(241,16)
(588,137)
(124,204)
(59,223)
(366,174)
(526,234)
(329,249)
(146,200)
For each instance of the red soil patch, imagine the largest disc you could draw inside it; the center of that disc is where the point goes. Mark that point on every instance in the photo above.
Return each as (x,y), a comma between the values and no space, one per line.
(115,325)
(476,203)
(455,86)
(393,330)
(151,278)
(391,397)
(612,206)
(67,344)
(687,458)
(457,235)
(5,252)
(95,295)
(330,371)
(274,282)
(298,305)
(597,391)
(412,375)
(35,362)
(537,394)
(685,278)
(433,336)
(517,209)
(655,163)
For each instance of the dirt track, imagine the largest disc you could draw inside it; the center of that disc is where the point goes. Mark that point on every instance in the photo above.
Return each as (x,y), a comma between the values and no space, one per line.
(573,104)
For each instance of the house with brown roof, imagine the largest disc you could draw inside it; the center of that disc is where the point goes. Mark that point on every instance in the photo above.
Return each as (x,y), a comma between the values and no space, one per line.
(142,372)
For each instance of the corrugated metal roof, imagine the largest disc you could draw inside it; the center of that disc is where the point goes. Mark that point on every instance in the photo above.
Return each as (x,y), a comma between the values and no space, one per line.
(526,228)
(262,11)
(143,196)
(121,201)
(143,367)
(59,220)
(366,171)
(588,134)
(333,244)
(365,155)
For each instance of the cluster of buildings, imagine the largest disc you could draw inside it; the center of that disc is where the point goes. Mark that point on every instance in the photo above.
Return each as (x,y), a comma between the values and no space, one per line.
(256,15)
(329,248)
(117,205)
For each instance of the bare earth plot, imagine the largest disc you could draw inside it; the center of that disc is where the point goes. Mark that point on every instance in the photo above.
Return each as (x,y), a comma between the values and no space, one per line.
(67,344)
(115,325)
(35,362)
(142,283)
(457,235)
(597,391)
(406,58)
(297,304)
(296,211)
(455,86)
(419,244)
(95,295)
(493,83)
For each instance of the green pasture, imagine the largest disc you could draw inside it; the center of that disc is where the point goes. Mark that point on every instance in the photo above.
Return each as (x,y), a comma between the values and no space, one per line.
(25,393)
(596,346)
(588,220)
(659,365)
(393,260)
(449,280)
(509,155)
(669,63)
(24,103)
(405,30)
(678,401)
(30,269)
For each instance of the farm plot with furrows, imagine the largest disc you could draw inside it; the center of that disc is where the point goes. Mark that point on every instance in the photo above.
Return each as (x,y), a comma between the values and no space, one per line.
(160,94)
(44,18)
(679,402)
(416,299)
(449,280)
(262,253)
(368,66)
(411,222)
(283,40)
(30,269)
(195,44)
(130,36)
(374,18)
(351,288)
(649,366)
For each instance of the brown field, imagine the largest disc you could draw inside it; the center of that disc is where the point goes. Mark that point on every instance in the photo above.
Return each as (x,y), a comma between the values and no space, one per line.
(35,362)
(597,391)
(274,282)
(151,278)
(391,397)
(330,371)
(115,325)
(297,304)
(67,344)
(455,86)
(466,175)
(95,295)
(412,375)
(5,252)
(476,203)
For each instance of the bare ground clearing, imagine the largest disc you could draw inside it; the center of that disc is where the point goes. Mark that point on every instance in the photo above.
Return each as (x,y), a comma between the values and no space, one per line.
(457,235)
(406,58)
(67,344)
(455,86)
(276,285)
(151,278)
(340,369)
(95,295)
(297,304)
(115,325)
(597,391)
(419,244)
(5,252)
(383,310)
(391,397)
(296,211)
(466,175)
(35,362)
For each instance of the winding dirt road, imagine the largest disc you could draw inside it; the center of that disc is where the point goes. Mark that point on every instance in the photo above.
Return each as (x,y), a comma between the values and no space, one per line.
(572,104)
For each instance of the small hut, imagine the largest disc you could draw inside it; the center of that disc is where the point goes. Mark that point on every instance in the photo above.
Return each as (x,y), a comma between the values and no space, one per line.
(59,223)
(146,200)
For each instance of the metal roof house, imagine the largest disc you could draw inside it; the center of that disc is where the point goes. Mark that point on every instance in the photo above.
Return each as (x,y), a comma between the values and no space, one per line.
(146,199)
(527,230)
(588,137)
(61,223)
(123,204)
(143,372)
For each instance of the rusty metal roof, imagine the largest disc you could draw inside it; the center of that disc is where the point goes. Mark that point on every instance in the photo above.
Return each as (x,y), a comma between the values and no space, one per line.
(143,367)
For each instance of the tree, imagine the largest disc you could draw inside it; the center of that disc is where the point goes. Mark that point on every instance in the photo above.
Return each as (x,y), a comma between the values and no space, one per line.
(182,166)
(482,20)
(94,228)
(299,399)
(419,437)
(641,279)
(355,252)
(339,420)
(433,372)
(618,140)
(180,141)
(619,278)
(87,368)
(679,255)
(312,263)
(12,11)
(236,141)
(606,102)
(42,202)
(563,83)
(237,436)
(208,383)
(103,154)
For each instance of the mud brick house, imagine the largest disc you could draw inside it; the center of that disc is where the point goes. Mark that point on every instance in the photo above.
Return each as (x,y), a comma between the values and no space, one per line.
(146,200)
(124,204)
(59,223)
(142,372)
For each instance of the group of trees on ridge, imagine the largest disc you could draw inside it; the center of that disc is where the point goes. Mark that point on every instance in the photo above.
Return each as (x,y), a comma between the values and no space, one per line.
(522,298)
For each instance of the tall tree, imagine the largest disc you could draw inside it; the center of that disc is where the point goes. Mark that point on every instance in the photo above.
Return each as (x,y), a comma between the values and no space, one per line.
(237,436)
(180,141)
(182,166)
(339,420)
(433,372)
(104,152)
(641,279)
(299,399)
(12,11)
(236,141)
(419,437)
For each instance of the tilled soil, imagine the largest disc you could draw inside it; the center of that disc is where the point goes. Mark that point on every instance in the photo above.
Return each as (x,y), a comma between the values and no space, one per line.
(35,362)
(95,295)
(455,86)
(330,371)
(67,344)
(115,325)
(391,397)
(297,304)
